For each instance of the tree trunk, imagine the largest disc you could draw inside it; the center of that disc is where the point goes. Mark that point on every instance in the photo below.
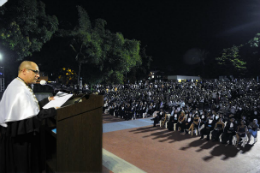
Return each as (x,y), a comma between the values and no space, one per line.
(79,72)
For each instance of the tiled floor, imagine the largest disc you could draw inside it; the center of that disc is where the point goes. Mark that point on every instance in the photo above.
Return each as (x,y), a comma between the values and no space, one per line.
(155,149)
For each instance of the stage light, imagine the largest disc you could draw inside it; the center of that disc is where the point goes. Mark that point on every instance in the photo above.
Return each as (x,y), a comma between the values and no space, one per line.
(2,2)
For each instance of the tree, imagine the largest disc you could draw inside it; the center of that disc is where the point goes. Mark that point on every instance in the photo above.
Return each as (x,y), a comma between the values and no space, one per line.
(142,70)
(231,61)
(85,41)
(255,41)
(105,56)
(241,60)
(25,27)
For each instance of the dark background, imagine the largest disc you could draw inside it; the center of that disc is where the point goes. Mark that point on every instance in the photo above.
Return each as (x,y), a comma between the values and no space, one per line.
(170,28)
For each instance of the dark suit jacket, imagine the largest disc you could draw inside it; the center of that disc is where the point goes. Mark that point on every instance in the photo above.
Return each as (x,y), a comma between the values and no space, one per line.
(226,129)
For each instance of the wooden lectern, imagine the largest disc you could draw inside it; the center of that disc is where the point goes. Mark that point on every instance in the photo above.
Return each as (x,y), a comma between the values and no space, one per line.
(77,145)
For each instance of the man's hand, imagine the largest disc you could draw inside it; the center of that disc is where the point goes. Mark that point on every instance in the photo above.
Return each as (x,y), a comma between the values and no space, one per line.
(51,98)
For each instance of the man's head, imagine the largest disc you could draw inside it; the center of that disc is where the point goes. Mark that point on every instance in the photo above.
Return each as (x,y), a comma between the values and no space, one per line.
(29,72)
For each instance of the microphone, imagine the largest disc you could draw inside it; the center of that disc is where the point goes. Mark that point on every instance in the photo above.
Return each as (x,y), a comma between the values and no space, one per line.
(77,101)
(44,82)
(55,86)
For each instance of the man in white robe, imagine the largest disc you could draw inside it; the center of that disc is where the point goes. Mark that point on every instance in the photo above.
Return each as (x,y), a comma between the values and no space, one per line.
(20,123)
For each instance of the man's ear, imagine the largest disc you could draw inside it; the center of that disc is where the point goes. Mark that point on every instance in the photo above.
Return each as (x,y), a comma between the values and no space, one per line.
(24,71)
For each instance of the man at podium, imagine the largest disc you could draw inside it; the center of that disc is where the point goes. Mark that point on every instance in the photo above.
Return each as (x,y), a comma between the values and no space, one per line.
(20,120)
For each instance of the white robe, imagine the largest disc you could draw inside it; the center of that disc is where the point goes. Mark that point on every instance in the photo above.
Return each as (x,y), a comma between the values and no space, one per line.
(18,103)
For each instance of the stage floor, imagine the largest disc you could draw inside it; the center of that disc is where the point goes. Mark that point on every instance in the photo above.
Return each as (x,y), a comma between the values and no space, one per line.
(136,146)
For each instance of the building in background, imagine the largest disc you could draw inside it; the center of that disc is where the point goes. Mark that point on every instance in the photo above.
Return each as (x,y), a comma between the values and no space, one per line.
(181,78)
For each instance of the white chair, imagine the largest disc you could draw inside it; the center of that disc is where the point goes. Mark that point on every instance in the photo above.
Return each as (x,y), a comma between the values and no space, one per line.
(166,122)
(234,140)
(196,132)
(155,113)
(210,134)
(201,127)
(244,140)
(106,110)
(220,137)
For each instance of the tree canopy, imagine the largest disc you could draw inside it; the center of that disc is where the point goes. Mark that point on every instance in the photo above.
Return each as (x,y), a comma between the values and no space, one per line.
(241,60)
(104,56)
(25,27)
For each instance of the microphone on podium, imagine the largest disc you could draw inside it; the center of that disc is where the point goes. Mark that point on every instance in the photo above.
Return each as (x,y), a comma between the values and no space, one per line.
(55,86)
(44,82)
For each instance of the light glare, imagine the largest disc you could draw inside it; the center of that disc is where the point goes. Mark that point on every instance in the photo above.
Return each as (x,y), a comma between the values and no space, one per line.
(2,2)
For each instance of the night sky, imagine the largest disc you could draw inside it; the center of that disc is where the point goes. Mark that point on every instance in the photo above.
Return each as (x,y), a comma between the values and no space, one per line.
(170,28)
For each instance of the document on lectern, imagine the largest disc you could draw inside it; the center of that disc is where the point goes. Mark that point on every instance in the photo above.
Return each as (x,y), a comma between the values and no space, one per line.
(59,99)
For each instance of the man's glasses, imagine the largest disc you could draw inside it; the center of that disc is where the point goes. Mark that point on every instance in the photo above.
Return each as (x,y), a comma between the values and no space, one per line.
(35,71)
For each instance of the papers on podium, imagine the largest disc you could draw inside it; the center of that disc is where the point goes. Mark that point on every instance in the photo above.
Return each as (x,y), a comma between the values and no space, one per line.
(59,100)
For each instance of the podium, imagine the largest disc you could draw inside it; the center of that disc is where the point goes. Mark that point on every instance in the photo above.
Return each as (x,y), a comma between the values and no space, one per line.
(77,144)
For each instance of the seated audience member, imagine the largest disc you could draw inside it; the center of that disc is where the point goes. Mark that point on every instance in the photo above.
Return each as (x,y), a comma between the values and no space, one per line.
(122,111)
(229,131)
(209,125)
(180,123)
(253,128)
(117,110)
(128,112)
(195,123)
(105,106)
(216,116)
(144,109)
(187,122)
(112,109)
(241,131)
(158,117)
(173,120)
(222,117)
(203,118)
(139,110)
(151,109)
(218,130)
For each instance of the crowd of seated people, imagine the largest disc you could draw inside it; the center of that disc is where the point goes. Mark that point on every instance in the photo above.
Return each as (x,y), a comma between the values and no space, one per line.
(217,109)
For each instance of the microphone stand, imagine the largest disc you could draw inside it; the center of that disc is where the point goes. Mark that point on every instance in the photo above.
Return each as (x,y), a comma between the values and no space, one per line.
(77,101)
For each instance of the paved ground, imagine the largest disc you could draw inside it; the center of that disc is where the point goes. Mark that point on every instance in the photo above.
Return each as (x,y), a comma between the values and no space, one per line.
(153,149)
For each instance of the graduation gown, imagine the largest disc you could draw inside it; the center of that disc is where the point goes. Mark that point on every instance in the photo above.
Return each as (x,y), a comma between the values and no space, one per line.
(21,148)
